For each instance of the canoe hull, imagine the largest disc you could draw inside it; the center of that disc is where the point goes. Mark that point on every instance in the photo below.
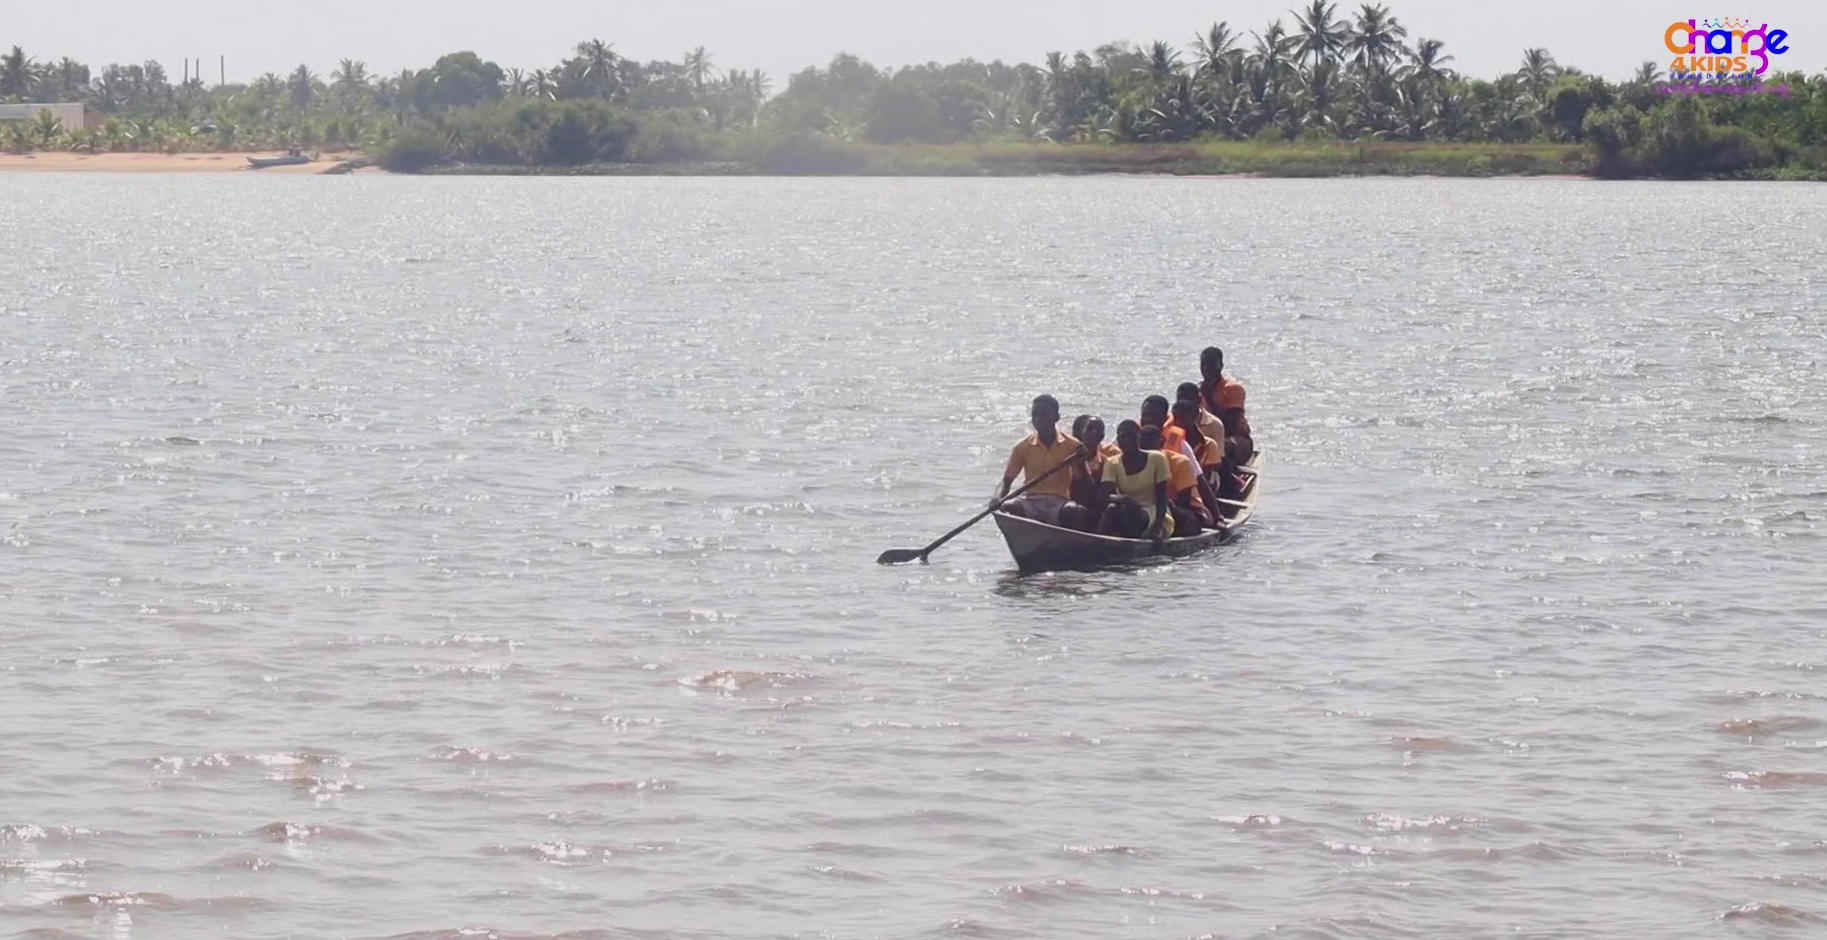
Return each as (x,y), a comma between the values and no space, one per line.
(1037,546)
(260,163)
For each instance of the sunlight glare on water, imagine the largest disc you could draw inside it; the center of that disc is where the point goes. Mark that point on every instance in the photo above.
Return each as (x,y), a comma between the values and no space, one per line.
(390,557)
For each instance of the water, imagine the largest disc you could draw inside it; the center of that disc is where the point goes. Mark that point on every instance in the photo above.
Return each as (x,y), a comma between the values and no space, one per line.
(420,558)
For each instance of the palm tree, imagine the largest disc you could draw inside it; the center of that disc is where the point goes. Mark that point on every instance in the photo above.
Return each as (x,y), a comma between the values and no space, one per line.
(1059,76)
(544,85)
(1422,92)
(1538,72)
(1646,74)
(698,67)
(1321,38)
(1319,88)
(1163,62)
(350,76)
(1272,58)
(749,89)
(1270,64)
(15,74)
(302,87)
(599,65)
(1217,47)
(1170,113)
(517,84)
(405,92)
(351,82)
(47,127)
(268,86)
(1375,40)
(1426,61)
(38,82)
(1273,49)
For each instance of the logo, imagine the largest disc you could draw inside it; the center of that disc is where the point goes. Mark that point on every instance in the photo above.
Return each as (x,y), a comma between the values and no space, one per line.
(1725,47)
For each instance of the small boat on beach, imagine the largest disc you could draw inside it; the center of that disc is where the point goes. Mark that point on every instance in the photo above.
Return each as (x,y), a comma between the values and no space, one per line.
(290,159)
(1038,546)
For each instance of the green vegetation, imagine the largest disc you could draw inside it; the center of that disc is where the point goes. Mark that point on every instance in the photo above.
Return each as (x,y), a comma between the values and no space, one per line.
(1325,158)
(1331,94)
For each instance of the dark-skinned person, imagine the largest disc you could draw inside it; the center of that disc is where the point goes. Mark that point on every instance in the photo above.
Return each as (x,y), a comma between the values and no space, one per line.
(1224,397)
(1135,489)
(1094,440)
(1186,488)
(1208,423)
(1031,458)
(1213,464)
(1208,449)
(1087,504)
(1155,412)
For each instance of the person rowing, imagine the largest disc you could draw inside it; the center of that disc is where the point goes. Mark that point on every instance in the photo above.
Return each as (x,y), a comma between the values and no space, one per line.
(1032,458)
(1135,489)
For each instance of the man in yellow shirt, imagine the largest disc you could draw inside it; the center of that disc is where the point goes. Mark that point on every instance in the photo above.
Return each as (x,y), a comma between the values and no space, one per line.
(1031,458)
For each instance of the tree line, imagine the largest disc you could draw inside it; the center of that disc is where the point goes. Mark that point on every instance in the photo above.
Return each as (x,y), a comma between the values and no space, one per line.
(1323,75)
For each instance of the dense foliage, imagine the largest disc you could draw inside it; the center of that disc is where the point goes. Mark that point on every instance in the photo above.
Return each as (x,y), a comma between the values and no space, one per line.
(1326,76)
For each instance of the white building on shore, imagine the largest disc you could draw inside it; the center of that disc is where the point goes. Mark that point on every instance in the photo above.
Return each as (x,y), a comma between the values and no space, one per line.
(70,114)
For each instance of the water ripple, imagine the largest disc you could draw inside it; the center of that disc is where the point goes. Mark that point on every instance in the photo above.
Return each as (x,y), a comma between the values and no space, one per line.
(438,559)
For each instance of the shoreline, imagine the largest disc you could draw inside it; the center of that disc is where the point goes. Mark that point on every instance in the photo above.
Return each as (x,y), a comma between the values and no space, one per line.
(662,170)
(56,161)
(1201,161)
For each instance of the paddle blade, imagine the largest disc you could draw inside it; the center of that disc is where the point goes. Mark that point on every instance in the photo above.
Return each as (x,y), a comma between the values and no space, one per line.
(895,556)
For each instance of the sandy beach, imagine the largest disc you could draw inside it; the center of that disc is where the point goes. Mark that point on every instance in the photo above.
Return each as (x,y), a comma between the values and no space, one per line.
(57,161)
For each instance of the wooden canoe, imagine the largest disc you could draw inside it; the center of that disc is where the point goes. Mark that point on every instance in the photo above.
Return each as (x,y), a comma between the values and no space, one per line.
(261,163)
(1038,546)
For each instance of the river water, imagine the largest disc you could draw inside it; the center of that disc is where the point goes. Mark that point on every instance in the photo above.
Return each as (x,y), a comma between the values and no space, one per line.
(435,558)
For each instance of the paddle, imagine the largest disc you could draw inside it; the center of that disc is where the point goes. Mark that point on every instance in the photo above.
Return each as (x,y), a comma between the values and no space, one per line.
(895,556)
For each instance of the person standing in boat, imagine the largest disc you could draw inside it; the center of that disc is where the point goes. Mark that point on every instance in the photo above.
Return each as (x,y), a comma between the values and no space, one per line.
(1135,489)
(1031,458)
(1224,397)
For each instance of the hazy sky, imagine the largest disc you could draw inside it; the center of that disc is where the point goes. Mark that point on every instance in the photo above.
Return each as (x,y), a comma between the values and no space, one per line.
(783,36)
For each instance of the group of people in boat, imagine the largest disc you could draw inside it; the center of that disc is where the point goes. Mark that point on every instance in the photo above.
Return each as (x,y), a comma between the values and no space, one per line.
(1166,475)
